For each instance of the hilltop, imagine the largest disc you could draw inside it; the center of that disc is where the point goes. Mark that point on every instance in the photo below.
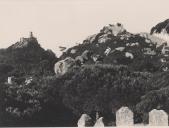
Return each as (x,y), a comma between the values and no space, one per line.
(26,57)
(115,45)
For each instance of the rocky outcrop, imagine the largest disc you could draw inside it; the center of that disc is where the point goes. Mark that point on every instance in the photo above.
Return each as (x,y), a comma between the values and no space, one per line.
(104,38)
(63,66)
(97,58)
(114,30)
(90,39)
(152,39)
(86,55)
(115,45)
(161,30)
(105,34)
(161,27)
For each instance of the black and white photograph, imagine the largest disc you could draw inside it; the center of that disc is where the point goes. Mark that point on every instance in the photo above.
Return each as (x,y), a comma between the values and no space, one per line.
(84,63)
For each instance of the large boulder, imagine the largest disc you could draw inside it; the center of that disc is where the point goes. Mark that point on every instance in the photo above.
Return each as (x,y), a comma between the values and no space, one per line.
(63,66)
(79,60)
(86,55)
(97,58)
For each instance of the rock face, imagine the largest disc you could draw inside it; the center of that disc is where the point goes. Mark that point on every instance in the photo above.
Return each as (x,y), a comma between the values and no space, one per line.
(161,30)
(90,39)
(63,66)
(160,27)
(158,118)
(129,55)
(163,35)
(86,55)
(115,30)
(124,117)
(85,120)
(97,58)
(99,122)
(152,38)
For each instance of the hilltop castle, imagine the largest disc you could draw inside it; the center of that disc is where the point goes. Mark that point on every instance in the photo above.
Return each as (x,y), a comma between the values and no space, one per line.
(25,41)
(30,38)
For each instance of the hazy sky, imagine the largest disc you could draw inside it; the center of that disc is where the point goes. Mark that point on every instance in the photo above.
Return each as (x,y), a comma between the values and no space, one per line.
(65,22)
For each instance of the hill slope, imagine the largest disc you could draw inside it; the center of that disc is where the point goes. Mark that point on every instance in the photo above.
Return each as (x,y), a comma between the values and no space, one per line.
(26,57)
(114,45)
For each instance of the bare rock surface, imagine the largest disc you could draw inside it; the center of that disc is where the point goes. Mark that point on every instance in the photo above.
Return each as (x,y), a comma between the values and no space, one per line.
(63,66)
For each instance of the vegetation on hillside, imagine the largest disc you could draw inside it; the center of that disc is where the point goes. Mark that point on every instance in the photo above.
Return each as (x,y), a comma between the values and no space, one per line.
(120,70)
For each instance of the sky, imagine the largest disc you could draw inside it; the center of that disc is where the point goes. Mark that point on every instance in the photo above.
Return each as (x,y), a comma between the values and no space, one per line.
(67,22)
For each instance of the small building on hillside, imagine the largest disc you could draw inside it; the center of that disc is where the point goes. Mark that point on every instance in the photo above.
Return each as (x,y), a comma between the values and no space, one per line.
(10,80)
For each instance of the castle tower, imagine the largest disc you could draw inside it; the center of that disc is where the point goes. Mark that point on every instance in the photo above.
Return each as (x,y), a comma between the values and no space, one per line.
(31,35)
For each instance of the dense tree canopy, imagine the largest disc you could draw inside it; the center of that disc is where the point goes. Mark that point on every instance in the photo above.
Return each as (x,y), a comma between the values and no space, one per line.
(102,88)
(108,71)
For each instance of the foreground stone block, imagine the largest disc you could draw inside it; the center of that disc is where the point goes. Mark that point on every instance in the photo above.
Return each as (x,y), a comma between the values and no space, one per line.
(124,117)
(158,118)
(99,122)
(84,121)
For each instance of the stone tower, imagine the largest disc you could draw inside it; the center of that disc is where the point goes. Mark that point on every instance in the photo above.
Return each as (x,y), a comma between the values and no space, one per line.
(31,34)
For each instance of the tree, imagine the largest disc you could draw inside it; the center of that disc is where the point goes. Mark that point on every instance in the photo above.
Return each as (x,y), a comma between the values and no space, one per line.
(102,88)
